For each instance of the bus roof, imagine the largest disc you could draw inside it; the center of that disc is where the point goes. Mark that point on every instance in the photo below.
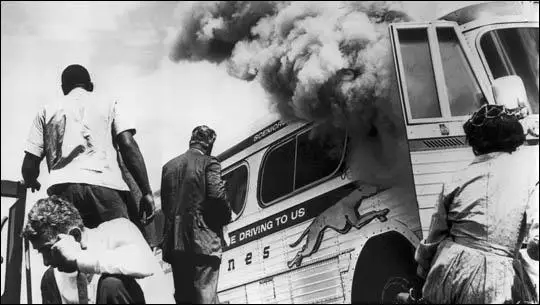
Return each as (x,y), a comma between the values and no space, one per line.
(254,138)
(486,10)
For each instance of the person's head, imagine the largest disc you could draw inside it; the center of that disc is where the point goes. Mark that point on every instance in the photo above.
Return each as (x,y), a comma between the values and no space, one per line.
(76,76)
(494,128)
(48,218)
(203,138)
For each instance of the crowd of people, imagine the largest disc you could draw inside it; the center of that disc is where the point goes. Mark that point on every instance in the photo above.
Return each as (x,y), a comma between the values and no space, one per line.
(90,230)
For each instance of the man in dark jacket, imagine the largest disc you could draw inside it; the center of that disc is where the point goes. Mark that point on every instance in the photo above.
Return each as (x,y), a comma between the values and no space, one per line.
(196,208)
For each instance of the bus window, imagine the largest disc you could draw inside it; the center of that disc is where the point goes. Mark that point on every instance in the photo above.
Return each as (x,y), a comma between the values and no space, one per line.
(299,162)
(278,172)
(236,183)
(464,94)
(316,158)
(419,75)
(514,51)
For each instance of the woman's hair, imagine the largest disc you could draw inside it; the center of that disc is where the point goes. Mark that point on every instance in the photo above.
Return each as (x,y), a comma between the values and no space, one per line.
(51,216)
(494,128)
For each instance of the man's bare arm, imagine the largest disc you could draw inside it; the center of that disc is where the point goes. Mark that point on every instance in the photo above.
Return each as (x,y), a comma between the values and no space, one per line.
(30,171)
(131,154)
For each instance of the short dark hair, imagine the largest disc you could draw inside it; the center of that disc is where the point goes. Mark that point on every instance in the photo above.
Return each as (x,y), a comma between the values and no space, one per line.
(494,128)
(51,216)
(76,76)
(204,136)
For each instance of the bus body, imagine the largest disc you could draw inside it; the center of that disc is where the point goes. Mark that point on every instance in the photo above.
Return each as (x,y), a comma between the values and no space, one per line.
(305,230)
(298,238)
(331,240)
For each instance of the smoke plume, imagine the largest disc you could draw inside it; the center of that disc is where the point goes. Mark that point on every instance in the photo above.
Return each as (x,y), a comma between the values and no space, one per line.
(326,62)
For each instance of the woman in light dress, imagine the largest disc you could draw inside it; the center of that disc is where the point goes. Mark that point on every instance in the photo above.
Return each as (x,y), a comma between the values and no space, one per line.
(471,254)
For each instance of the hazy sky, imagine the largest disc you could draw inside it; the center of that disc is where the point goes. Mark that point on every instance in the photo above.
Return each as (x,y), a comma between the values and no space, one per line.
(125,48)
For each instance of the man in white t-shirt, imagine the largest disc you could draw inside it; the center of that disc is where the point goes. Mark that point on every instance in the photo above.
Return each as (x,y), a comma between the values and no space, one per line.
(79,136)
(111,264)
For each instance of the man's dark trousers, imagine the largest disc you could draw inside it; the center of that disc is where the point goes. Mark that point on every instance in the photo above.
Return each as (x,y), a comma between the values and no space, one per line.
(195,278)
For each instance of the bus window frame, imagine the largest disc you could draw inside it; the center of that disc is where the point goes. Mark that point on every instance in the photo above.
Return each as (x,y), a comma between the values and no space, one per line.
(494,27)
(282,142)
(230,169)
(260,181)
(438,70)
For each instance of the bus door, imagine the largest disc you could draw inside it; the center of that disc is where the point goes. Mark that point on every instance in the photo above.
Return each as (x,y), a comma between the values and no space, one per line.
(12,257)
(441,84)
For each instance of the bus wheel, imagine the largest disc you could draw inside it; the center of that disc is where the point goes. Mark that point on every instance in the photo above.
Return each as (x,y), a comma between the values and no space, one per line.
(393,287)
(385,268)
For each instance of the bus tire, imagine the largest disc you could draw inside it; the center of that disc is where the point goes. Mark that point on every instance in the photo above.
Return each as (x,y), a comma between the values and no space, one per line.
(385,268)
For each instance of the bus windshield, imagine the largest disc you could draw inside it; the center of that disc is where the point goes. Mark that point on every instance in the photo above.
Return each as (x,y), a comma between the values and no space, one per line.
(514,51)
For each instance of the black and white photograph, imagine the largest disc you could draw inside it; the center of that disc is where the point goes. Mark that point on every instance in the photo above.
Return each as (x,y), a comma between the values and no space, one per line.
(269,152)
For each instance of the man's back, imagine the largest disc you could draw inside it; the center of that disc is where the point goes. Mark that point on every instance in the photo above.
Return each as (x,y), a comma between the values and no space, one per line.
(183,181)
(76,137)
(491,196)
(185,193)
(193,194)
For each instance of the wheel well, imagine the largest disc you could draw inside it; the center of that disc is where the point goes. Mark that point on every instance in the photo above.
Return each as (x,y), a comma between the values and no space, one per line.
(382,256)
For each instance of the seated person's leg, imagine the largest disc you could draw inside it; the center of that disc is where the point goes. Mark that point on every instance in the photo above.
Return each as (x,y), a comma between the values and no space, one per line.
(119,289)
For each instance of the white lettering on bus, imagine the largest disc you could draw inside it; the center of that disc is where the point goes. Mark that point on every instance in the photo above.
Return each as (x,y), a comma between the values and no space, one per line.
(252,232)
(297,214)
(268,131)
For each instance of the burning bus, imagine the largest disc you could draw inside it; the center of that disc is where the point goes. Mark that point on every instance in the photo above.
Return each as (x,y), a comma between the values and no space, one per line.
(312,227)
(330,209)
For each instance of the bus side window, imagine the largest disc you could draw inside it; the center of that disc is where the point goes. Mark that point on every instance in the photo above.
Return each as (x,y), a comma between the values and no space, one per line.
(463,91)
(236,185)
(278,172)
(419,75)
(299,162)
(316,158)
